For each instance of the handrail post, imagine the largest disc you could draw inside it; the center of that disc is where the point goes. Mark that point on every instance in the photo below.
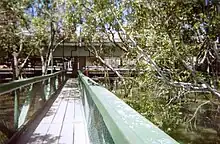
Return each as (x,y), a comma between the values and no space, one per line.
(42,87)
(26,106)
(50,86)
(54,84)
(59,79)
(62,75)
(16,109)
(47,88)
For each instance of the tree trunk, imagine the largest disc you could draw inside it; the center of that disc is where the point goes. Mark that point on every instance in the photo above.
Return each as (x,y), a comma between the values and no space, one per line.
(15,66)
(51,63)
(43,63)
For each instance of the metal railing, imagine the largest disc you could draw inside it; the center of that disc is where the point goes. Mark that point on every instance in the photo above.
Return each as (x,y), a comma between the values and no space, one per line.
(110,120)
(21,99)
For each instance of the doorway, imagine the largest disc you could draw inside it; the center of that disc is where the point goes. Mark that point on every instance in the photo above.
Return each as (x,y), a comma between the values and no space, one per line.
(78,63)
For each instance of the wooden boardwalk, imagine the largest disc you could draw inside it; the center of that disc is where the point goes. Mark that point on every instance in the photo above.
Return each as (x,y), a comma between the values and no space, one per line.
(64,123)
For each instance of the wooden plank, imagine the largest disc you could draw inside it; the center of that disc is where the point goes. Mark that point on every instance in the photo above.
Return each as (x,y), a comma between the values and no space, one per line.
(79,133)
(58,126)
(69,116)
(39,134)
(67,134)
(48,118)
(53,134)
(78,110)
(53,110)
(45,124)
(59,117)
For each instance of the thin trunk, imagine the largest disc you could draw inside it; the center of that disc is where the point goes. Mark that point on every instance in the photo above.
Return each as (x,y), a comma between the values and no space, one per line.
(50,60)
(15,65)
(110,67)
(43,69)
(52,63)
(42,62)
(104,63)
(25,61)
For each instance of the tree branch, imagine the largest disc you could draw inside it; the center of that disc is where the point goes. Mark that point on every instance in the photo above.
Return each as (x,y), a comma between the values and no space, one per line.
(94,51)
(197,109)
(25,61)
(149,60)
(193,72)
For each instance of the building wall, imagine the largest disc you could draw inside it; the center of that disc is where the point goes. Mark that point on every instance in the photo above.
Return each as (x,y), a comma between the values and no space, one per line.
(113,61)
(69,51)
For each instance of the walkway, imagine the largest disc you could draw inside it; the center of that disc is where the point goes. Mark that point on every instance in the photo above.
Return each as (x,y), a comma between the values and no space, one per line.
(64,123)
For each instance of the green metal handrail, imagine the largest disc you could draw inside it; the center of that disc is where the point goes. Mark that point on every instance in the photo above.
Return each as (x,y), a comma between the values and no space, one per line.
(45,86)
(125,125)
(8,87)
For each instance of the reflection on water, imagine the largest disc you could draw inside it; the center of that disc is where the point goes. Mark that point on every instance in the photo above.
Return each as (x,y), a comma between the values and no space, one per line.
(7,105)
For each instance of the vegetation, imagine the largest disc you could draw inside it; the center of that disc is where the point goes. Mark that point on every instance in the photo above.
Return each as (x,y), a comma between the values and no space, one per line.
(174,43)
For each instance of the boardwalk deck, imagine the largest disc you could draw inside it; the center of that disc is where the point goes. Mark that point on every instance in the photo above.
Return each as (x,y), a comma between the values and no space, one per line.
(64,123)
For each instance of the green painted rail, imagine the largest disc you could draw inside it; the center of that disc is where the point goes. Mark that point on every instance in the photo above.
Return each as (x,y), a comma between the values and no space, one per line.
(110,120)
(8,87)
(27,96)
